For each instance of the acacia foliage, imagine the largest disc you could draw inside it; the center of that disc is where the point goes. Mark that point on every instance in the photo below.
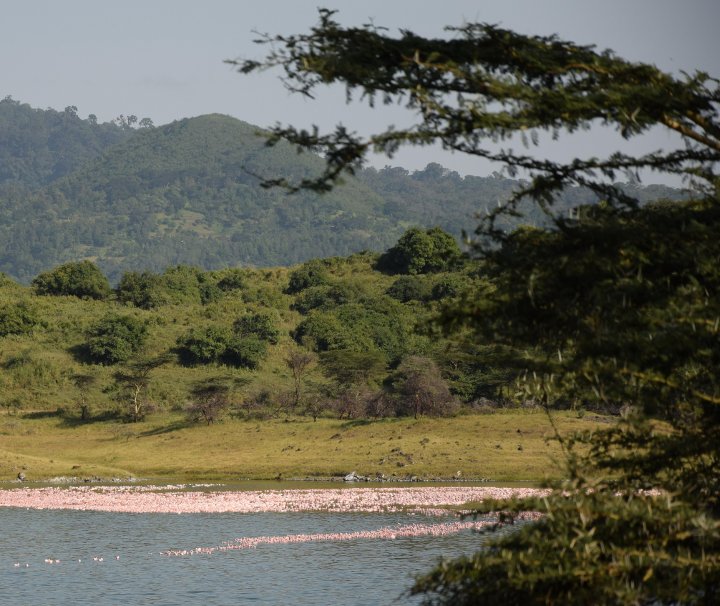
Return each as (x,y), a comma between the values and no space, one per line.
(210,399)
(618,307)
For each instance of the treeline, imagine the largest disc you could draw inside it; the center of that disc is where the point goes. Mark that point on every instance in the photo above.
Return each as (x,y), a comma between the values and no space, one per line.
(38,146)
(342,336)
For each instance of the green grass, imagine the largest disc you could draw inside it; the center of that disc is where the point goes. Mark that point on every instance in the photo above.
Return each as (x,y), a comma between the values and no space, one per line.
(505,446)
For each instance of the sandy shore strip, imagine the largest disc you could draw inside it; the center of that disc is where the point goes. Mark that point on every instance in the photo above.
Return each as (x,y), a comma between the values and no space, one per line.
(176,499)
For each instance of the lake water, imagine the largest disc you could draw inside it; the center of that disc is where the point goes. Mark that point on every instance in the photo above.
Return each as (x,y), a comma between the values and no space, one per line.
(133,571)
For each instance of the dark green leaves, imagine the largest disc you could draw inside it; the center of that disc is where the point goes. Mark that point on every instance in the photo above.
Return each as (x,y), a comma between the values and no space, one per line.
(17,319)
(244,346)
(420,251)
(82,279)
(116,339)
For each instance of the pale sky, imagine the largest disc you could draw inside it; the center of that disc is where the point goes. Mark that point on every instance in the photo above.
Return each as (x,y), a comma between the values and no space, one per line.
(164,58)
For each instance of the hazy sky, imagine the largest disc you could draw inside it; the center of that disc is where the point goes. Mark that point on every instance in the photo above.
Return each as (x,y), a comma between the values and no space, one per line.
(164,58)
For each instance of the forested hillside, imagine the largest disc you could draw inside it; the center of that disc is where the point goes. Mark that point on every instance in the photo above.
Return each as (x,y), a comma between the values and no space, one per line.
(39,146)
(190,193)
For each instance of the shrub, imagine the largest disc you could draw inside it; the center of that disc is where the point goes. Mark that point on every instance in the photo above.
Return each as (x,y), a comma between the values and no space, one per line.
(245,352)
(420,389)
(204,346)
(312,273)
(181,284)
(210,399)
(115,339)
(409,288)
(234,279)
(259,325)
(142,290)
(78,278)
(17,319)
(177,285)
(326,296)
(322,331)
(448,286)
(218,344)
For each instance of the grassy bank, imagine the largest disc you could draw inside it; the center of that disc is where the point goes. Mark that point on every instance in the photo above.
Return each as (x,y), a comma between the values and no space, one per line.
(504,446)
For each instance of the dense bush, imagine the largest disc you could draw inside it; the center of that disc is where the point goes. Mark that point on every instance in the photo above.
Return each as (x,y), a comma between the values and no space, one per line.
(450,285)
(232,279)
(17,319)
(77,278)
(182,283)
(209,292)
(372,324)
(410,288)
(322,331)
(326,296)
(204,346)
(142,290)
(177,285)
(259,325)
(312,273)
(244,346)
(245,352)
(115,339)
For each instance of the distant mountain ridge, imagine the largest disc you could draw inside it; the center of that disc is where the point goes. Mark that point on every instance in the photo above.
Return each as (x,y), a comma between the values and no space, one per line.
(189,193)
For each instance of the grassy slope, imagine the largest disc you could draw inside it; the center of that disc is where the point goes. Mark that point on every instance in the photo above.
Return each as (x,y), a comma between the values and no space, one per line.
(36,371)
(479,446)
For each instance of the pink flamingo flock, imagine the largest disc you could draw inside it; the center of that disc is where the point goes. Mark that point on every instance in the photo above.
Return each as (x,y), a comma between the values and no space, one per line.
(181,499)
(387,533)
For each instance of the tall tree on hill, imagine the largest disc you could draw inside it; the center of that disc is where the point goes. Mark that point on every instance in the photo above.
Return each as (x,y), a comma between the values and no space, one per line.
(619,308)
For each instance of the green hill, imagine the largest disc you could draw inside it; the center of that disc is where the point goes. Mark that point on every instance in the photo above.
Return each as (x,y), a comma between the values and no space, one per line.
(190,193)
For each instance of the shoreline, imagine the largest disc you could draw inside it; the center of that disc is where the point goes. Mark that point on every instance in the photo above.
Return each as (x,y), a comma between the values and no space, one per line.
(333,480)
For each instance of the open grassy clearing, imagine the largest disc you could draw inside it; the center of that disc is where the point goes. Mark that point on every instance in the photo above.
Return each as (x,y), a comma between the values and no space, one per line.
(504,446)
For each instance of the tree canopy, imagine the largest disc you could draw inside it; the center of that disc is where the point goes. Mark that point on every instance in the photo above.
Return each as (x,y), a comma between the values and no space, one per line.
(420,251)
(616,307)
(484,83)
